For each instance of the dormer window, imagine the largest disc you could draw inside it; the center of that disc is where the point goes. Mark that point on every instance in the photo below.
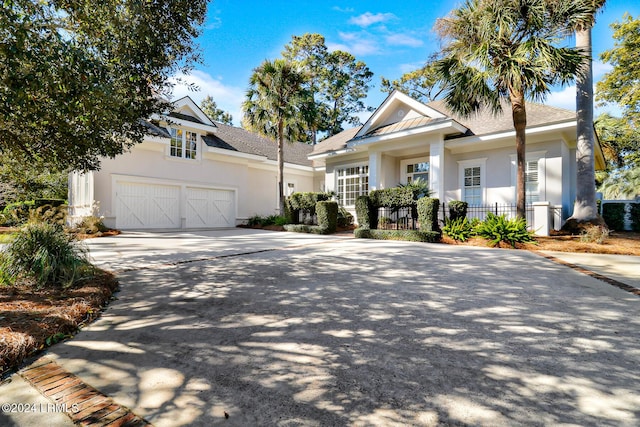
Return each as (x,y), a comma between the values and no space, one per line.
(184,144)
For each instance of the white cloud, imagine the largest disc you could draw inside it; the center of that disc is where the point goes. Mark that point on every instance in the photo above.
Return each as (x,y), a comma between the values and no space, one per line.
(403,40)
(343,10)
(227,98)
(600,68)
(358,44)
(565,98)
(369,18)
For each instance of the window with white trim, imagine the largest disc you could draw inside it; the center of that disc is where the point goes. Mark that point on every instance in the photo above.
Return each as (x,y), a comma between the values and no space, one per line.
(417,171)
(353,181)
(532,182)
(472,190)
(184,144)
(534,176)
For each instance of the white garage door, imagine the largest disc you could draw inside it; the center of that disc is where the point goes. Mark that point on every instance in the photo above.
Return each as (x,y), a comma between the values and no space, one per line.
(210,208)
(147,205)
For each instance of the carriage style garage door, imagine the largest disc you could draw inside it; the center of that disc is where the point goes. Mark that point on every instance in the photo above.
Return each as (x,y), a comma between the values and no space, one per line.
(147,206)
(210,208)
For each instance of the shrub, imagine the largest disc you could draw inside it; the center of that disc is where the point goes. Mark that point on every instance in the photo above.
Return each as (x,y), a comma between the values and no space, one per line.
(594,234)
(16,213)
(393,197)
(428,214)
(307,201)
(457,209)
(458,229)
(49,213)
(327,215)
(407,235)
(635,216)
(345,219)
(302,228)
(366,213)
(45,255)
(500,229)
(90,225)
(613,215)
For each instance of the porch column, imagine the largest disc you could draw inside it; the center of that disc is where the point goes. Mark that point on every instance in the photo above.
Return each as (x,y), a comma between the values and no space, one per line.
(375,170)
(436,169)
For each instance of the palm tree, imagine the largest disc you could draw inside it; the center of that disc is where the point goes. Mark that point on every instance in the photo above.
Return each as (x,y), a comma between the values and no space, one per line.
(585,209)
(272,107)
(624,184)
(497,49)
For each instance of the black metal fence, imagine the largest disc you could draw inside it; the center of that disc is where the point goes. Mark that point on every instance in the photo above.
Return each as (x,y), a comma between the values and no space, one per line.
(406,218)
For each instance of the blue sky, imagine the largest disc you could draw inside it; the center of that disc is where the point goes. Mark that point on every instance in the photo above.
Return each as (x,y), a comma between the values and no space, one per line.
(390,37)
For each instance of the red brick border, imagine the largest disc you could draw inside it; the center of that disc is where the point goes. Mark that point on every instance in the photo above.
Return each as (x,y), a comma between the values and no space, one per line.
(85,405)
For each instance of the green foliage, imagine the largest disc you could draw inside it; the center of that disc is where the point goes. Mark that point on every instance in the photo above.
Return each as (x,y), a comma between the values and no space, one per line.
(336,87)
(498,229)
(395,197)
(327,215)
(52,214)
(209,107)
(621,85)
(16,213)
(77,78)
(22,181)
(622,184)
(407,235)
(44,255)
(345,219)
(457,209)
(635,216)
(613,215)
(366,213)
(458,229)
(620,142)
(90,225)
(307,200)
(302,228)
(421,84)
(263,221)
(56,338)
(428,214)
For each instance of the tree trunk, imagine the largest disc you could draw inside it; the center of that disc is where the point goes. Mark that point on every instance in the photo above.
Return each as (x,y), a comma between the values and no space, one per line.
(519,114)
(281,168)
(585,205)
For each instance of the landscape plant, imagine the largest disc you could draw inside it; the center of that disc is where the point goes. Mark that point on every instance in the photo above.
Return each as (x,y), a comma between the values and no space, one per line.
(459,229)
(498,229)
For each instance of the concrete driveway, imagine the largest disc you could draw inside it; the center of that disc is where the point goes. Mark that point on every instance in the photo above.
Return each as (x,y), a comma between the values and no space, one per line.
(281,329)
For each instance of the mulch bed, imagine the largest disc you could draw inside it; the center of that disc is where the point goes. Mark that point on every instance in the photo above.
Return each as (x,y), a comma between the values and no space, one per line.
(31,319)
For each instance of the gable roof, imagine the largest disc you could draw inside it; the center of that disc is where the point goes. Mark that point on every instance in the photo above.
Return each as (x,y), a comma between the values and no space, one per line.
(184,106)
(484,122)
(241,140)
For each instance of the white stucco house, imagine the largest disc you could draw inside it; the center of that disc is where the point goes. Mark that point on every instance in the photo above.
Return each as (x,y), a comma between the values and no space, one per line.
(190,173)
(470,159)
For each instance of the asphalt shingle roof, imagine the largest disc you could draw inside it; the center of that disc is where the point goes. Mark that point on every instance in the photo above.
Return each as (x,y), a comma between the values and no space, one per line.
(238,139)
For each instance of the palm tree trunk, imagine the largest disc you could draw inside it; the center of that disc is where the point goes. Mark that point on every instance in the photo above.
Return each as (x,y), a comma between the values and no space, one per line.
(281,167)
(519,114)
(585,205)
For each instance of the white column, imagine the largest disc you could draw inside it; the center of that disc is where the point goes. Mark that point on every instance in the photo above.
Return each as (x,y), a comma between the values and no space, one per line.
(375,170)
(436,172)
(541,218)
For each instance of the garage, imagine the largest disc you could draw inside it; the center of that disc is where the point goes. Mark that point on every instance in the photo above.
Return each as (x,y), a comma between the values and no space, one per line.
(140,205)
(210,208)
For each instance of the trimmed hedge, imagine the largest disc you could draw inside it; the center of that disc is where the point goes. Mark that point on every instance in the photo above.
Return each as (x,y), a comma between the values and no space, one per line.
(407,235)
(393,197)
(635,216)
(428,214)
(613,215)
(457,209)
(327,215)
(302,228)
(366,213)
(307,201)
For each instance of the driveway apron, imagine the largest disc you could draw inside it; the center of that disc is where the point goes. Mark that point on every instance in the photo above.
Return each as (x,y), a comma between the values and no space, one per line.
(246,328)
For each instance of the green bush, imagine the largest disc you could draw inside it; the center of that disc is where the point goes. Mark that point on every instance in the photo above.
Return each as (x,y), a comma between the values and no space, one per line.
(307,201)
(457,209)
(613,215)
(458,229)
(345,219)
(635,216)
(407,235)
(302,228)
(365,211)
(327,215)
(16,213)
(90,225)
(498,229)
(393,197)
(44,255)
(263,221)
(49,213)
(428,214)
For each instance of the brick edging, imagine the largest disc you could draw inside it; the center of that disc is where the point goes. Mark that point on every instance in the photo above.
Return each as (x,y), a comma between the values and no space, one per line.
(85,405)
(593,274)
